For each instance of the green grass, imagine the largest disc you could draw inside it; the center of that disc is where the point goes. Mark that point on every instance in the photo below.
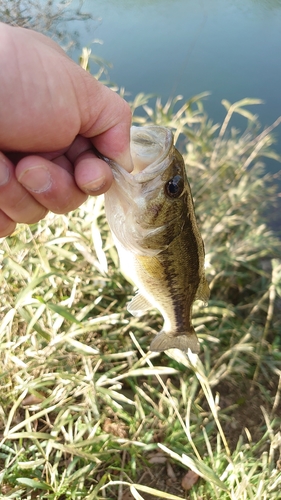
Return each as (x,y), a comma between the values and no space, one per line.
(86,411)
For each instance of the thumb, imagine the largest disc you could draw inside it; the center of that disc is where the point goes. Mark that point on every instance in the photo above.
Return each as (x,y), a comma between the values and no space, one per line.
(106,121)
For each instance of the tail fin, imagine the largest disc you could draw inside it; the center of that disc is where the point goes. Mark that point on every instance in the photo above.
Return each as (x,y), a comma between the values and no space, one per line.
(164,341)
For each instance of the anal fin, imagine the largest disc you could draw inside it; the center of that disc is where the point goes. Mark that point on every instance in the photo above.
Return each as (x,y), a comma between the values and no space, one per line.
(139,305)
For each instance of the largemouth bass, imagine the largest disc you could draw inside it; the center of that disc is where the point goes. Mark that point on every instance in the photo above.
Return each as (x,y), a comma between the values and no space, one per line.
(151,215)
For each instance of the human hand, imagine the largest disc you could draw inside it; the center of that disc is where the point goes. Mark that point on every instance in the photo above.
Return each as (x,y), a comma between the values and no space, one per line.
(53,117)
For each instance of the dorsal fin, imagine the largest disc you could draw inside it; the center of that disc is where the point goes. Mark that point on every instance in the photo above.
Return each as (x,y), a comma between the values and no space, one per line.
(203,291)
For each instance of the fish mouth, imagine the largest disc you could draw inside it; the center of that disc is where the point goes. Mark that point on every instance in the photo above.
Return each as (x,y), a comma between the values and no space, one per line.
(150,146)
(126,201)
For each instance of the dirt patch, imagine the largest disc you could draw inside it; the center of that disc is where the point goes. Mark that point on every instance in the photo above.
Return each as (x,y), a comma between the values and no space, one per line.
(163,477)
(244,403)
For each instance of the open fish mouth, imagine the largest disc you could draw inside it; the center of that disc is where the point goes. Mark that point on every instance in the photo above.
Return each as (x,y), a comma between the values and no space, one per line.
(150,150)
(149,147)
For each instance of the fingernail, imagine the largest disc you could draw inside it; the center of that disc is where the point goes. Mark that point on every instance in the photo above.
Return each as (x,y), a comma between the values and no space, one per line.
(4,171)
(36,179)
(94,185)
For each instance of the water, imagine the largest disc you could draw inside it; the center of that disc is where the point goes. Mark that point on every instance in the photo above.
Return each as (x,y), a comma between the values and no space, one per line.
(168,47)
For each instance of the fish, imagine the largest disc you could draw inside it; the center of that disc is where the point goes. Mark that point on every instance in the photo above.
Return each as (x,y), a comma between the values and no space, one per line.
(150,212)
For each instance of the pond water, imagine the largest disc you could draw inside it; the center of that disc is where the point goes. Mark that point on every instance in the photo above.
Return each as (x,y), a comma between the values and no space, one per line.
(168,47)
(231,48)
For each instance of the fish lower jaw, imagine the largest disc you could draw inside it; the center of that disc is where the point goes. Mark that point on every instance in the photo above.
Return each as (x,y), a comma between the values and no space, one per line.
(168,340)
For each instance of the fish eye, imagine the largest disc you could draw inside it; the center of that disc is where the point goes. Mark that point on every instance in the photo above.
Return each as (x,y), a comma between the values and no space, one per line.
(174,187)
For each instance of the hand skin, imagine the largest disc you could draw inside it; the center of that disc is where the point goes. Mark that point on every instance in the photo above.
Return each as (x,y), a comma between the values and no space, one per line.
(53,117)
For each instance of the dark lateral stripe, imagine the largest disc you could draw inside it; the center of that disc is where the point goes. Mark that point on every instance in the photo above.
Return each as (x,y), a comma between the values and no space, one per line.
(180,279)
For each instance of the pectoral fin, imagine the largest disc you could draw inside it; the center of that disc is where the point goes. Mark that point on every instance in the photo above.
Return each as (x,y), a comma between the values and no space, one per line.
(138,305)
(152,266)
